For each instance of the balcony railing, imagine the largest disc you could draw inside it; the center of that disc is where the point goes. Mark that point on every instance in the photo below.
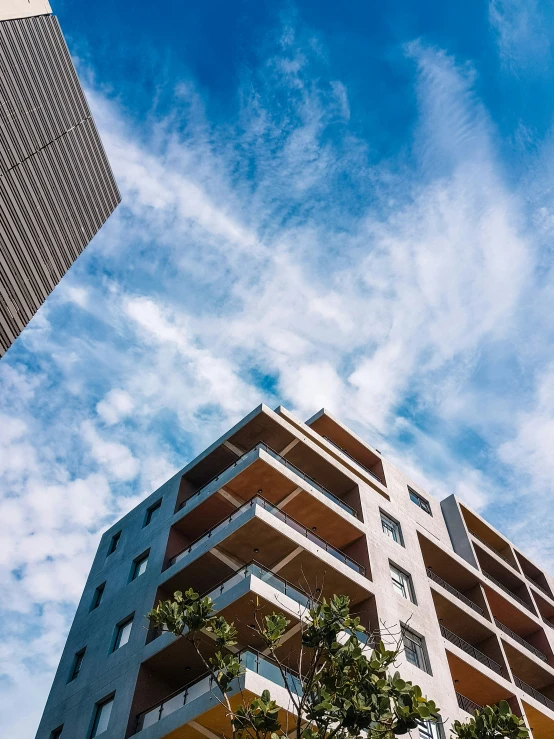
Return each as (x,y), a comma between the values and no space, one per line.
(298,527)
(470,649)
(493,549)
(540,587)
(250,660)
(507,590)
(535,693)
(354,459)
(466,704)
(433,576)
(520,640)
(546,621)
(286,463)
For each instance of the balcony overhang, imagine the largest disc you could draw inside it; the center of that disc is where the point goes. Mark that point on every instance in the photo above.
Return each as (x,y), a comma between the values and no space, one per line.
(474,680)
(541,724)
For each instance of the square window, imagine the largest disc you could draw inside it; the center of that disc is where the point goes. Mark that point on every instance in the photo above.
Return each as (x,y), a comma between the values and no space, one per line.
(391,528)
(122,633)
(415,650)
(152,512)
(98,593)
(56,733)
(114,542)
(402,583)
(139,566)
(420,501)
(102,715)
(77,664)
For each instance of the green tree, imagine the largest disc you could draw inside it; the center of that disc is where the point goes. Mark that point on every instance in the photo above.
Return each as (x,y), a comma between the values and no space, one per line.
(347,688)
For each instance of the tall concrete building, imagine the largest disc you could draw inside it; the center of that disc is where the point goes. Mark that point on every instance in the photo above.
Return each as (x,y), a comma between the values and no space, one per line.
(56,185)
(274,507)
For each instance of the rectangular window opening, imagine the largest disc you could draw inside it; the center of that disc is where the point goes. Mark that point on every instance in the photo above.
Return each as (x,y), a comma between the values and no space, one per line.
(102,715)
(420,501)
(139,566)
(152,512)
(122,633)
(415,650)
(98,594)
(402,582)
(56,734)
(77,664)
(392,528)
(114,543)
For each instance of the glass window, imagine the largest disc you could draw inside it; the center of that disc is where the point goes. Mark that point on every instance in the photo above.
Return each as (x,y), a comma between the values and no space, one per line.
(122,634)
(114,542)
(57,733)
(402,582)
(414,649)
(391,528)
(101,717)
(430,730)
(152,512)
(420,501)
(98,593)
(77,664)
(139,566)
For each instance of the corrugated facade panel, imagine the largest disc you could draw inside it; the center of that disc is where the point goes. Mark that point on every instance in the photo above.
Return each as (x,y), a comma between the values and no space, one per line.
(56,184)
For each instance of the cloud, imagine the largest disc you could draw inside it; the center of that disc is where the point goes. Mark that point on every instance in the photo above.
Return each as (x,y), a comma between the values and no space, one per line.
(523,31)
(116,405)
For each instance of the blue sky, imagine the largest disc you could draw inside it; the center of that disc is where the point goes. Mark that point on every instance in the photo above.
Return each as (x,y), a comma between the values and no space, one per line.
(349,208)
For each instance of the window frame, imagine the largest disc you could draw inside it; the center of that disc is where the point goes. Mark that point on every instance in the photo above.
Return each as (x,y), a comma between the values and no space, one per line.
(114,543)
(407,583)
(119,628)
(385,517)
(78,658)
(420,501)
(98,595)
(151,512)
(98,708)
(421,645)
(433,734)
(144,557)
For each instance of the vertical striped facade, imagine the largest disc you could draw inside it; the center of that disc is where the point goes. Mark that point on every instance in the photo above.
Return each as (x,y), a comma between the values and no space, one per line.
(56,185)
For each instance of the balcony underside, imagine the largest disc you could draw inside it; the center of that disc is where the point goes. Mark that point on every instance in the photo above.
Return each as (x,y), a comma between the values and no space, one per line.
(541,725)
(473,682)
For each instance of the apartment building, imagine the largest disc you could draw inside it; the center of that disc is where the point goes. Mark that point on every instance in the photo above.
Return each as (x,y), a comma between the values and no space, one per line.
(273,509)
(56,185)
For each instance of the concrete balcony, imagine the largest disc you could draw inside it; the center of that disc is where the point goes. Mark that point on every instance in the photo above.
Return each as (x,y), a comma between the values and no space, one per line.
(278,542)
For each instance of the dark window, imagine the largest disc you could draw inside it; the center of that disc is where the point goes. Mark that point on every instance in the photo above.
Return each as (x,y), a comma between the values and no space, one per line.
(114,542)
(420,501)
(430,730)
(152,512)
(102,714)
(77,663)
(139,566)
(122,633)
(415,650)
(57,733)
(98,593)
(402,582)
(391,528)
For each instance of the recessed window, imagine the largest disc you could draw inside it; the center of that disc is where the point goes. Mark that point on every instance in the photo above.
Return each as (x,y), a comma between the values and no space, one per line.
(98,594)
(402,583)
(391,528)
(102,715)
(420,501)
(415,650)
(139,566)
(430,730)
(77,664)
(56,733)
(152,512)
(114,542)
(122,633)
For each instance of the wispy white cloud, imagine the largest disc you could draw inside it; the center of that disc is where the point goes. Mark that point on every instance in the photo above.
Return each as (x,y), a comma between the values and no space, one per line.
(524,32)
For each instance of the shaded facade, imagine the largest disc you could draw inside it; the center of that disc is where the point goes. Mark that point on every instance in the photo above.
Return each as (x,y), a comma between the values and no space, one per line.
(56,185)
(274,508)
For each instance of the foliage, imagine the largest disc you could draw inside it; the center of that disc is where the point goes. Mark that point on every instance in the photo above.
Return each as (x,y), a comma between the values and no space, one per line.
(347,689)
(492,722)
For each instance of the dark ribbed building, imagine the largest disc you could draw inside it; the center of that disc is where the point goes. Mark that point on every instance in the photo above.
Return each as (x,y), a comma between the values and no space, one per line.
(56,185)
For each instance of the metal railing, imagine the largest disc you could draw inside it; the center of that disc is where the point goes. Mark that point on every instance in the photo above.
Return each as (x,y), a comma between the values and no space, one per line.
(334,443)
(298,527)
(540,587)
(250,660)
(520,640)
(493,549)
(433,576)
(275,455)
(467,705)
(546,621)
(507,590)
(535,693)
(471,650)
